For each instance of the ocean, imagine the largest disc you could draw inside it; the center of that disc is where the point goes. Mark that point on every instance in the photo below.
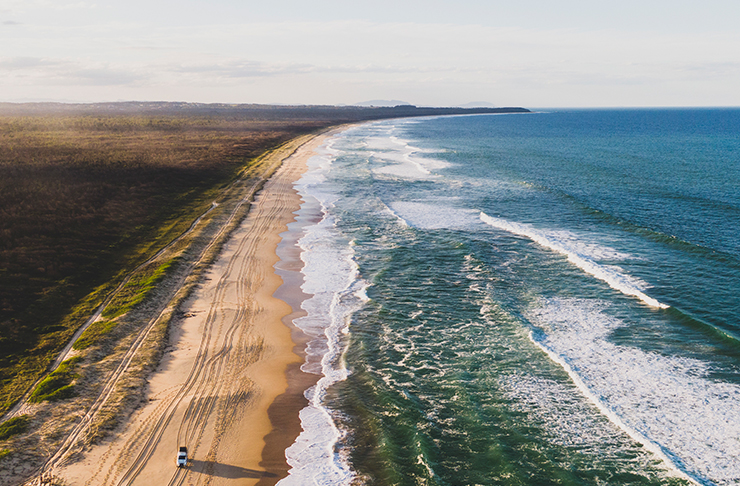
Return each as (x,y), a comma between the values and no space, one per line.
(530,299)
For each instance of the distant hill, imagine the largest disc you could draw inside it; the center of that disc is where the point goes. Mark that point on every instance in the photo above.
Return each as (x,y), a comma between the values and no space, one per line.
(394,103)
(383,103)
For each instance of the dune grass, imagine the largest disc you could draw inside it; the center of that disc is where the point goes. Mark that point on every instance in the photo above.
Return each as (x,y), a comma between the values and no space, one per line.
(14,426)
(58,385)
(93,333)
(136,289)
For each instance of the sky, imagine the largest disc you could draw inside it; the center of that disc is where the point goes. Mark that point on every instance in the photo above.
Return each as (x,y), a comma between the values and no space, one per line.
(531,53)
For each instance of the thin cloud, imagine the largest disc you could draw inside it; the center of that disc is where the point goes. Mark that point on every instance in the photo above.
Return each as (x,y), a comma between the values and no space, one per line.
(713,69)
(64,72)
(244,69)
(256,69)
(148,48)
(103,77)
(26,5)
(26,63)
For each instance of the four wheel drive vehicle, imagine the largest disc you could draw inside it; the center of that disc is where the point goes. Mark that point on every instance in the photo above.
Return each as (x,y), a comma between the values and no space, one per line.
(182,457)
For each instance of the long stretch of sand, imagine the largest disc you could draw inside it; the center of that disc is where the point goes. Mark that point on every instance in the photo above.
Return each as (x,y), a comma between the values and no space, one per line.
(229,388)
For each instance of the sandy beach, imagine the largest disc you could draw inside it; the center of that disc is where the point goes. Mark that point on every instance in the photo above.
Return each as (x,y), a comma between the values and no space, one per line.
(229,387)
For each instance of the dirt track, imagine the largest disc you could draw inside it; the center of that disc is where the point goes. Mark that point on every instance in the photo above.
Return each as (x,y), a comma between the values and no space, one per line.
(226,366)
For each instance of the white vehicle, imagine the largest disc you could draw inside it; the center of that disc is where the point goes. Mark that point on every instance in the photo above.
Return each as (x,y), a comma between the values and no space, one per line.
(182,457)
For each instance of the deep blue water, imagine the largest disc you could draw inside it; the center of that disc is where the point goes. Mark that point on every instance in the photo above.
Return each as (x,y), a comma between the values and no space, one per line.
(548,298)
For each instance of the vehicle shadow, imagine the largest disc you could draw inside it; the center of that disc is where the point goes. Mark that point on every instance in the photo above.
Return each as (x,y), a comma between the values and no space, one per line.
(220,470)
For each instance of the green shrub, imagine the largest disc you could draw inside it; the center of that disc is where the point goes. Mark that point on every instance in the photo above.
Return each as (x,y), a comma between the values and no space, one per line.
(14,426)
(3,453)
(137,289)
(69,364)
(58,385)
(67,391)
(93,333)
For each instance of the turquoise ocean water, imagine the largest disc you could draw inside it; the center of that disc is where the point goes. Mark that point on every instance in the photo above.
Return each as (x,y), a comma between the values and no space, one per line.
(546,298)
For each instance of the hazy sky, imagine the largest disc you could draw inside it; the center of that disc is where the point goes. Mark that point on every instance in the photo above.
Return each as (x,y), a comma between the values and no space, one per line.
(533,53)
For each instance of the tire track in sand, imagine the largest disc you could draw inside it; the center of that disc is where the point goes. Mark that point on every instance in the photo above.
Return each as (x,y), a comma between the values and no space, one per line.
(217,388)
(216,384)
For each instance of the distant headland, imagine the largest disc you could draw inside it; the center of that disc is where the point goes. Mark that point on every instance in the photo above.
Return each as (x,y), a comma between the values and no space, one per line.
(281,112)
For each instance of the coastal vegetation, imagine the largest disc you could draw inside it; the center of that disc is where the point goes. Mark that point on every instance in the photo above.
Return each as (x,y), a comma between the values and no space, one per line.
(136,289)
(91,335)
(87,197)
(58,385)
(14,426)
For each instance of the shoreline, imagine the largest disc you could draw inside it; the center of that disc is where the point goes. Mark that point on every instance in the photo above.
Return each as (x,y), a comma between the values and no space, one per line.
(237,408)
(285,408)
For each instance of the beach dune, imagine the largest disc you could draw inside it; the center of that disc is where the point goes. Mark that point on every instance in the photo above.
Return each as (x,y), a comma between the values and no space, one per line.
(229,387)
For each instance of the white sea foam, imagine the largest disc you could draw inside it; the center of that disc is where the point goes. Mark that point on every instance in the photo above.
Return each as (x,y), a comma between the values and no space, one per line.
(403,159)
(393,213)
(403,171)
(581,255)
(336,292)
(668,403)
(552,403)
(409,150)
(434,216)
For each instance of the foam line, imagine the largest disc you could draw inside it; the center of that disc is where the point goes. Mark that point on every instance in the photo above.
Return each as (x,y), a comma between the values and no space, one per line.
(635,435)
(331,278)
(398,217)
(615,279)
